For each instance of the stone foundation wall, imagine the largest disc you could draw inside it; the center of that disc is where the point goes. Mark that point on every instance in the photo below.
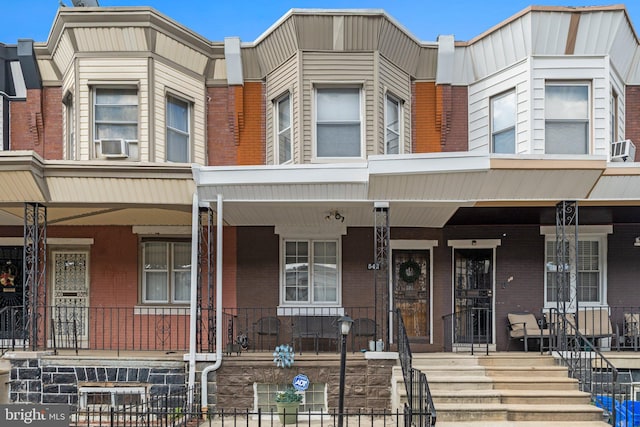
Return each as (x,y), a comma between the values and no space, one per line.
(37,379)
(367,382)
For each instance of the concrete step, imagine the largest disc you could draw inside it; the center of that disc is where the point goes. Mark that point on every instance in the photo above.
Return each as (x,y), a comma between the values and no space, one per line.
(515,412)
(521,397)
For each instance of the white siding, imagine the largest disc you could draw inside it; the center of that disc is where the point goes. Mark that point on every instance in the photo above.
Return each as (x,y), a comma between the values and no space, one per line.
(111,39)
(283,79)
(69,86)
(180,53)
(169,81)
(64,53)
(111,70)
(480,93)
(618,85)
(588,69)
(339,68)
(398,84)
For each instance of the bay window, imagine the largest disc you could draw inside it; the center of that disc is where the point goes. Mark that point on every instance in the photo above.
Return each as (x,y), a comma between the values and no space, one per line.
(566,118)
(503,123)
(338,122)
(392,120)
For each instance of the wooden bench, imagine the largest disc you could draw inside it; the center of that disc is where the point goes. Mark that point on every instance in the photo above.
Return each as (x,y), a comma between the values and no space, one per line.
(316,327)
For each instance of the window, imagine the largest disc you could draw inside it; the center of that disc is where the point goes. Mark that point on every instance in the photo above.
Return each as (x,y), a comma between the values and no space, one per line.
(313,398)
(311,271)
(503,123)
(166,272)
(178,140)
(104,398)
(392,119)
(283,129)
(338,122)
(584,280)
(116,113)
(566,118)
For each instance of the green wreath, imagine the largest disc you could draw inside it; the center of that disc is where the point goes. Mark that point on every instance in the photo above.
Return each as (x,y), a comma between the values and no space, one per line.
(410,271)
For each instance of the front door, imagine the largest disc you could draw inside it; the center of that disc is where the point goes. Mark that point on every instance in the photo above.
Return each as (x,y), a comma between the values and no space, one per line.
(11,292)
(473,296)
(70,297)
(411,291)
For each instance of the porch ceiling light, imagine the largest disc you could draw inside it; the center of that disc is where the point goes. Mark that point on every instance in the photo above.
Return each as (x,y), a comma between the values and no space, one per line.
(637,242)
(334,216)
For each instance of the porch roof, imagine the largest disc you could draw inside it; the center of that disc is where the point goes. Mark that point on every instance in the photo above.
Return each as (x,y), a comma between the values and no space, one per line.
(422,189)
(92,193)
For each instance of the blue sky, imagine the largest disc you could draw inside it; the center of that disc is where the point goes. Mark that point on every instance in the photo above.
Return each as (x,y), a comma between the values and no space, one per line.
(214,19)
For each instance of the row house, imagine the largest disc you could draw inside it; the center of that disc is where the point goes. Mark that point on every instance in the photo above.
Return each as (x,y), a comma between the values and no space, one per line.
(169,199)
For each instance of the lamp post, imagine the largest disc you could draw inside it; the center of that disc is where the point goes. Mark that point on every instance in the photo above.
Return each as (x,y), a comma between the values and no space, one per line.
(345,326)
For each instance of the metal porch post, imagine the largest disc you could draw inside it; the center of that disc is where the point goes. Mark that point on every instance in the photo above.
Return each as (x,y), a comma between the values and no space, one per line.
(35,274)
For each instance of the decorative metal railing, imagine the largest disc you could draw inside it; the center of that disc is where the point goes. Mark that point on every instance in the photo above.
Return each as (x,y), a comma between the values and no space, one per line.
(419,409)
(469,327)
(586,363)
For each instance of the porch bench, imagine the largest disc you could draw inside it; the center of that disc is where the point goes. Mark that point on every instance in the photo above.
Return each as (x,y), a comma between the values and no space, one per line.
(316,327)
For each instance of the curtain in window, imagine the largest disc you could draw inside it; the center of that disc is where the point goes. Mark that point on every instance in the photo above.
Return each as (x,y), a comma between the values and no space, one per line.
(338,122)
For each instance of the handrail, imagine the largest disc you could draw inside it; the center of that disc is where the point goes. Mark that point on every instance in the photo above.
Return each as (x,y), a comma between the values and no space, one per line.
(586,363)
(460,327)
(419,400)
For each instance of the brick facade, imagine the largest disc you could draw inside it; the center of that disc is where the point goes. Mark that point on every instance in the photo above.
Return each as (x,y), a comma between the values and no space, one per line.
(632,121)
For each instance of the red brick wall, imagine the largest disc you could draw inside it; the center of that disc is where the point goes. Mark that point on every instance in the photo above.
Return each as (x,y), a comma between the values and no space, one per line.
(425,133)
(36,124)
(632,116)
(236,125)
(454,125)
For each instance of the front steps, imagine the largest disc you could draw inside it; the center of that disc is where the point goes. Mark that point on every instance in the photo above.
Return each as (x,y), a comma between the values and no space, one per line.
(502,389)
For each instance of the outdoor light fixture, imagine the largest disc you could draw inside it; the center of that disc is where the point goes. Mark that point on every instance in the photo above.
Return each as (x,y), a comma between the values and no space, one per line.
(345,326)
(335,216)
(637,242)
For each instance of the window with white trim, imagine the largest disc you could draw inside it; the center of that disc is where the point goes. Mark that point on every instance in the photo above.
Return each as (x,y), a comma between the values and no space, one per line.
(392,125)
(614,116)
(567,118)
(166,274)
(585,278)
(284,147)
(70,126)
(104,398)
(338,122)
(503,123)
(178,135)
(314,398)
(115,113)
(310,272)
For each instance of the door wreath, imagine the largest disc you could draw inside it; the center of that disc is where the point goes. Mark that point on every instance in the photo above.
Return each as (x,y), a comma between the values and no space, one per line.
(410,271)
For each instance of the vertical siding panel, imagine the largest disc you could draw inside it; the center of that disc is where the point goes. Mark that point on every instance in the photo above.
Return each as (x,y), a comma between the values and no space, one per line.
(193,89)
(283,79)
(398,83)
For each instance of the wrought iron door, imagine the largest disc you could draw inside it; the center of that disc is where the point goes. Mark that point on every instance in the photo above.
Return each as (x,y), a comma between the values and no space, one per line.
(411,290)
(70,295)
(473,296)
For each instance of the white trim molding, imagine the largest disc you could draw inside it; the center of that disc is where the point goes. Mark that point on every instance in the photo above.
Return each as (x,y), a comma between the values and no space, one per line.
(163,230)
(475,243)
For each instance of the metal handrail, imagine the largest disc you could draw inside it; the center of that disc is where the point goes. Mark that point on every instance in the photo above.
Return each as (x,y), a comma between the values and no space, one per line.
(596,375)
(419,407)
(460,327)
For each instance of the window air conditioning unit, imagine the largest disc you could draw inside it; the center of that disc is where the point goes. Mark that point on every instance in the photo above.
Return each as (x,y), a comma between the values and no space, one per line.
(622,151)
(113,148)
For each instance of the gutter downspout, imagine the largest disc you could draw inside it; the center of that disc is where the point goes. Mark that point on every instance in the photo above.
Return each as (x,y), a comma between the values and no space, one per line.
(218,362)
(193,309)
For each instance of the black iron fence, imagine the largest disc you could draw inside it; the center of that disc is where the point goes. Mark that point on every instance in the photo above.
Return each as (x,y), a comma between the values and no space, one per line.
(142,328)
(419,409)
(471,327)
(574,339)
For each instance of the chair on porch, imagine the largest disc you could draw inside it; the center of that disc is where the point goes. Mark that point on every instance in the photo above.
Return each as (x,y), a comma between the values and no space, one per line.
(631,330)
(266,327)
(524,327)
(595,324)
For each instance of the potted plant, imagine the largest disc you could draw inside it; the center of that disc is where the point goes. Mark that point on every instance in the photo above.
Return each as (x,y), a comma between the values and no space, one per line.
(287,404)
